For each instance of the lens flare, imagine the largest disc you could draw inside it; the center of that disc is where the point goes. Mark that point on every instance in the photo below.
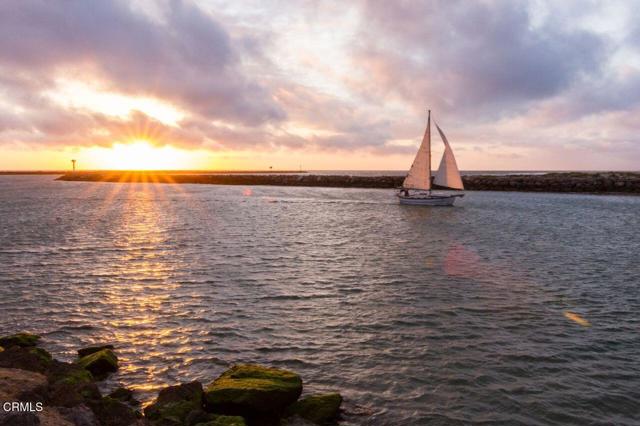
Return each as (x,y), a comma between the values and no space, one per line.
(577,319)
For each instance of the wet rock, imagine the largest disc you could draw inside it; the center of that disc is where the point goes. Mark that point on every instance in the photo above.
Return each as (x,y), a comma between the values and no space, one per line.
(71,395)
(18,418)
(110,412)
(92,349)
(67,373)
(44,356)
(253,390)
(123,394)
(16,383)
(51,416)
(19,339)
(295,421)
(70,385)
(80,415)
(175,403)
(220,420)
(25,358)
(319,409)
(202,418)
(100,363)
(197,416)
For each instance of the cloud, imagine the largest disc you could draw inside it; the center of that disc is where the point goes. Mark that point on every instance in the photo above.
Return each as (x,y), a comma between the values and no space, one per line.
(474,58)
(188,58)
(325,76)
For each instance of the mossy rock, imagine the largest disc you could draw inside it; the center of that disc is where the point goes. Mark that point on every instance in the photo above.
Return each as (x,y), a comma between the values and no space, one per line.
(69,374)
(19,339)
(221,420)
(100,363)
(123,394)
(64,394)
(25,358)
(70,385)
(42,354)
(173,412)
(174,403)
(77,377)
(110,412)
(248,389)
(319,409)
(92,349)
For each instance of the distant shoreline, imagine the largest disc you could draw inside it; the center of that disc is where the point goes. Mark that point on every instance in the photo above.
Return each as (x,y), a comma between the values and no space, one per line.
(171,172)
(569,182)
(31,172)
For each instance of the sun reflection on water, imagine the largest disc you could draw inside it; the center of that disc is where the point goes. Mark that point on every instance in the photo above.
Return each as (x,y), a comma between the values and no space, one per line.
(140,297)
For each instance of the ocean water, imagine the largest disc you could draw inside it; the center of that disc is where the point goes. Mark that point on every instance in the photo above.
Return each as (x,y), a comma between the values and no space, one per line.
(416,315)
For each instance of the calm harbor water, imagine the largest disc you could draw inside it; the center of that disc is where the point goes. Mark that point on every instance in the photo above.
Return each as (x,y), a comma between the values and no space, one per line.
(416,315)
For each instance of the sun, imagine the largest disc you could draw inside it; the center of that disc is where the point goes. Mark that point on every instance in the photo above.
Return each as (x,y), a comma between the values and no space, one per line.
(141,154)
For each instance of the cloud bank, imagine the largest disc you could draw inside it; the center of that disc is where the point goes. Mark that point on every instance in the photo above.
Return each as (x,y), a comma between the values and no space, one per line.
(517,78)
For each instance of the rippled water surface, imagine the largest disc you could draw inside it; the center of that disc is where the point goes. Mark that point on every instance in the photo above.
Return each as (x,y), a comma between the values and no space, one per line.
(418,316)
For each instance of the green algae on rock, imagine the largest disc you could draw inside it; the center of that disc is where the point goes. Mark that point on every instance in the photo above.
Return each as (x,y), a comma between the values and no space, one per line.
(221,420)
(92,349)
(111,412)
(250,389)
(42,354)
(65,373)
(19,339)
(124,395)
(175,403)
(319,409)
(25,358)
(100,363)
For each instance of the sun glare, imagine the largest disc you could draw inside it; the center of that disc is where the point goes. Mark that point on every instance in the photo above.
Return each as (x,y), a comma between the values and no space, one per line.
(142,155)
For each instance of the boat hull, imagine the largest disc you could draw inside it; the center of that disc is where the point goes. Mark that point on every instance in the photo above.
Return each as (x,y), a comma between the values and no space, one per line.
(429,200)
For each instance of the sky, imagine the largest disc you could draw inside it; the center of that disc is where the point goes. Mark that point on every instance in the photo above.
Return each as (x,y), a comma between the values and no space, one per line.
(318,85)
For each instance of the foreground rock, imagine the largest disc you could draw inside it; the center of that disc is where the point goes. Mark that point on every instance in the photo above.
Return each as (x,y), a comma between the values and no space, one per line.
(19,339)
(100,363)
(319,409)
(111,412)
(244,395)
(175,403)
(25,358)
(224,421)
(93,349)
(17,383)
(123,394)
(66,393)
(253,390)
(70,385)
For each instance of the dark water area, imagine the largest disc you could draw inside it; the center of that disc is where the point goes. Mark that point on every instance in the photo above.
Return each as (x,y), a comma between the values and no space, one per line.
(417,316)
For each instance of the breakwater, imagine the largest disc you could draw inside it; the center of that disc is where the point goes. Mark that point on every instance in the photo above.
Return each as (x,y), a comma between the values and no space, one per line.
(585,182)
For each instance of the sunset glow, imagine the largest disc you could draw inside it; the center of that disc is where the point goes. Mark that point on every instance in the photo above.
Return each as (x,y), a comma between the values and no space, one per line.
(141,155)
(328,85)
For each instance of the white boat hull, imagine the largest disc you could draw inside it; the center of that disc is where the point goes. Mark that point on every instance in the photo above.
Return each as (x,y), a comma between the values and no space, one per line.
(429,200)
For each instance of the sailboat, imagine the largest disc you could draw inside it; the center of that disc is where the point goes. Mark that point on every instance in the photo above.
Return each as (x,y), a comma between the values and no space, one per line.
(418,179)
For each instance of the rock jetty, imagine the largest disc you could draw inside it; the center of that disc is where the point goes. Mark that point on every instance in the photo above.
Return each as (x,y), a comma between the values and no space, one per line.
(579,182)
(36,389)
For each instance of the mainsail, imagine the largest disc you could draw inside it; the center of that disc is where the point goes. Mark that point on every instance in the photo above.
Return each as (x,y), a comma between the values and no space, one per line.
(419,176)
(448,174)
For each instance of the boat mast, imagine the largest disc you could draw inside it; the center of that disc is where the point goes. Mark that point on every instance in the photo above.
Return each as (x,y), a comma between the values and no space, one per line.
(429,157)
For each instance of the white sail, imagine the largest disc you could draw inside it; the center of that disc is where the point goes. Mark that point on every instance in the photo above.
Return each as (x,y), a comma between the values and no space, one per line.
(419,176)
(448,174)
